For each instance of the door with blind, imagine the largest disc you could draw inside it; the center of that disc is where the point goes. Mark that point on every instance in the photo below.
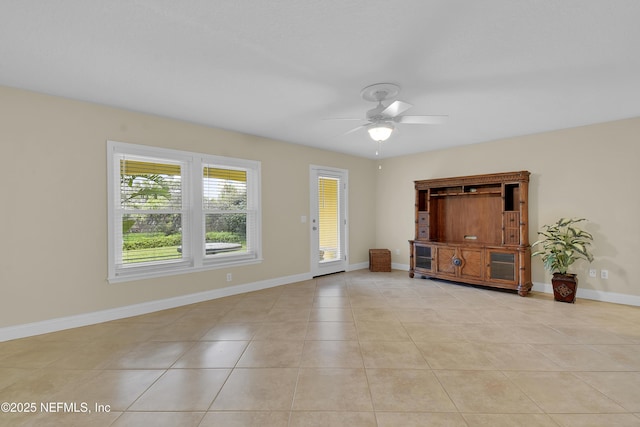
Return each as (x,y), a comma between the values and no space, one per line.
(328,220)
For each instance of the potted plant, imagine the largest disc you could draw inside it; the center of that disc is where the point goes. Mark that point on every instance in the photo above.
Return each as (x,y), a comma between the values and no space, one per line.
(561,244)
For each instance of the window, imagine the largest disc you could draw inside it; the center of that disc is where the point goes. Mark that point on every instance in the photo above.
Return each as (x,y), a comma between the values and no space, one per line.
(172,211)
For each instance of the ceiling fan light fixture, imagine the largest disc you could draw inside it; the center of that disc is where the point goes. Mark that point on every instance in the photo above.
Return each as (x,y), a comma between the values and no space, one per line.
(380,132)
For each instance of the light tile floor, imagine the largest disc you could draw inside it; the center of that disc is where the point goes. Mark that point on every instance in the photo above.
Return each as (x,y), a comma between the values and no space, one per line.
(352,349)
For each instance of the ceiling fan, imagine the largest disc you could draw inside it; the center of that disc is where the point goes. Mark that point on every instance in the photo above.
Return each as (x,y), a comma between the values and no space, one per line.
(382,118)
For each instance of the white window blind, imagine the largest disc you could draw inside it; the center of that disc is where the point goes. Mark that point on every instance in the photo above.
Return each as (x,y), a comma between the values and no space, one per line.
(328,221)
(229,214)
(151,213)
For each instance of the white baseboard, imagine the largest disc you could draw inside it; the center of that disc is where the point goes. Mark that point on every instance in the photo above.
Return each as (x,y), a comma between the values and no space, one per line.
(62,323)
(396,266)
(359,266)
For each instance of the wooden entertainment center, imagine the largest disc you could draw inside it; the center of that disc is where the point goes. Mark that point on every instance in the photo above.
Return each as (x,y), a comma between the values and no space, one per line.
(473,229)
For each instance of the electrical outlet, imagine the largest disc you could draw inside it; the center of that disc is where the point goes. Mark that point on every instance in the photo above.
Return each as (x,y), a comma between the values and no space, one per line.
(604,274)
(593,272)
(228,277)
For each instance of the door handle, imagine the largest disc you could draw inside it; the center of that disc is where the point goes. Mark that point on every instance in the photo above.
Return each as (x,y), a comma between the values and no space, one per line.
(314,228)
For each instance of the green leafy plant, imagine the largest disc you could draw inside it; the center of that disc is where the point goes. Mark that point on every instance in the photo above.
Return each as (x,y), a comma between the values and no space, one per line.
(562,244)
(224,237)
(133,241)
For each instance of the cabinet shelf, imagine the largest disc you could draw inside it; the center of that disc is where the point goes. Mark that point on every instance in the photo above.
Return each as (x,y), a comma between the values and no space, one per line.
(470,193)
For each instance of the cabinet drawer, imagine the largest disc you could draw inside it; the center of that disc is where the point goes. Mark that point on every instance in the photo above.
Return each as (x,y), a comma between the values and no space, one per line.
(511,228)
(511,219)
(423,218)
(423,232)
(511,236)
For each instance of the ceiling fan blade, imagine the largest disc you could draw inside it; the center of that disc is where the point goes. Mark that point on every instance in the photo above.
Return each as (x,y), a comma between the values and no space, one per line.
(355,129)
(396,107)
(421,120)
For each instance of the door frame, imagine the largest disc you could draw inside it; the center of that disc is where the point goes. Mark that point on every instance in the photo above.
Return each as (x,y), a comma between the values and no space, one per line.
(315,172)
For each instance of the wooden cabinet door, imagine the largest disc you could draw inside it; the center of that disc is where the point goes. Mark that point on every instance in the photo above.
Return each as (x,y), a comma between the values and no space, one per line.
(445,261)
(472,263)
(502,266)
(460,262)
(423,258)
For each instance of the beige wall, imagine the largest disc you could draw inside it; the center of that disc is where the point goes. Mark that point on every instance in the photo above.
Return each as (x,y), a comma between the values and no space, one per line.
(53,249)
(587,172)
(53,259)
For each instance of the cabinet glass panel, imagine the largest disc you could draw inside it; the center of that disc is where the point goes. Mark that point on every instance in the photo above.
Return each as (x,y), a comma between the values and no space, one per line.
(423,257)
(503,266)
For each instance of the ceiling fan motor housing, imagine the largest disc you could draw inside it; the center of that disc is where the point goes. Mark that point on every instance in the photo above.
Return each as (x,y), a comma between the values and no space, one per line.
(375,114)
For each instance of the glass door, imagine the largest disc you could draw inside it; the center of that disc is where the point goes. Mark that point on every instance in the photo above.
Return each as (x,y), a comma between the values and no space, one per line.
(328,220)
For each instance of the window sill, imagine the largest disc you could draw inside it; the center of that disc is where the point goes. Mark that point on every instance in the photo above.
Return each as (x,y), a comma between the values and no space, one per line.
(140,274)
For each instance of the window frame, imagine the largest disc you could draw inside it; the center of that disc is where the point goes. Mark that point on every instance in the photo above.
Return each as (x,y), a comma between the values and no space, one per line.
(194,253)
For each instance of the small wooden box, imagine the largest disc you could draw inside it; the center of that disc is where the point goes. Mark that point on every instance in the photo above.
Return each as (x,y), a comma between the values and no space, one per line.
(379,260)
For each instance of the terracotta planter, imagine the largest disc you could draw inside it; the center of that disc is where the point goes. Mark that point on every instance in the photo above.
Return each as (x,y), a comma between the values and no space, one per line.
(564,287)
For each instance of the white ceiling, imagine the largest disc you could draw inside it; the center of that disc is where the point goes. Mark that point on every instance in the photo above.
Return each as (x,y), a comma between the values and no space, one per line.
(279,68)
